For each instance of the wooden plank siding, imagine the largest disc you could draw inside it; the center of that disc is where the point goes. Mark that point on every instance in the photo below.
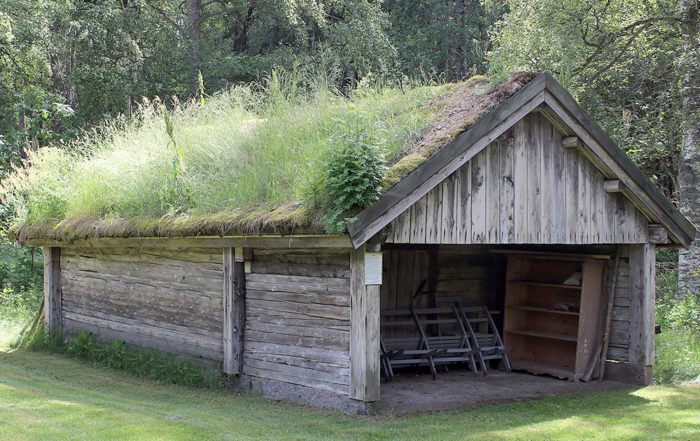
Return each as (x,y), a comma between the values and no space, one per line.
(523,188)
(618,349)
(167,299)
(297,327)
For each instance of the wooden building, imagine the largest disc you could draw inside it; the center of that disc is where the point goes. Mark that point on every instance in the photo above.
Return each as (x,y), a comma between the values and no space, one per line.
(499,216)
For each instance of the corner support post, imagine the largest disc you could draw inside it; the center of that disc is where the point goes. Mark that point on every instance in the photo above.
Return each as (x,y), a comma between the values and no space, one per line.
(52,290)
(365,285)
(642,296)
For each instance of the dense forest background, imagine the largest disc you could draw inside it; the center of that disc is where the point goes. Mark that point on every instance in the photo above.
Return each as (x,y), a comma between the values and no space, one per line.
(66,66)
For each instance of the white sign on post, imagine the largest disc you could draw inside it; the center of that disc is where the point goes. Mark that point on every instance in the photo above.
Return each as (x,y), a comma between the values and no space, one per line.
(373,268)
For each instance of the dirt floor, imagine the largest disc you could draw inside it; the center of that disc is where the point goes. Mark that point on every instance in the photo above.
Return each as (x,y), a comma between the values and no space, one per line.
(418,392)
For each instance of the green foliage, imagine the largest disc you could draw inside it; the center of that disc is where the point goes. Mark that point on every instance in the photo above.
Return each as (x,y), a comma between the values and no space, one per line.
(248,147)
(674,311)
(678,345)
(351,176)
(139,362)
(617,57)
(20,269)
(444,40)
(677,356)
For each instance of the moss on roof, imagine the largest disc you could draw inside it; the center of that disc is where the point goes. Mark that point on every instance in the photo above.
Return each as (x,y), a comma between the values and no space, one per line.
(240,164)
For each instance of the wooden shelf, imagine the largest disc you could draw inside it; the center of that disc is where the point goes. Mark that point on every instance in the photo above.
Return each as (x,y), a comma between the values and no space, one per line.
(535,327)
(548,335)
(551,285)
(539,309)
(539,368)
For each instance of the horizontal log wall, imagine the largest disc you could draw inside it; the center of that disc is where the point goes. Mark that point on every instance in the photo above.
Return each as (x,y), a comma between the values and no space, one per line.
(164,299)
(523,188)
(298,317)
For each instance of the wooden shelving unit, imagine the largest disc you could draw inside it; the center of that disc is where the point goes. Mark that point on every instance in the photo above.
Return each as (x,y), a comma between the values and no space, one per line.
(554,328)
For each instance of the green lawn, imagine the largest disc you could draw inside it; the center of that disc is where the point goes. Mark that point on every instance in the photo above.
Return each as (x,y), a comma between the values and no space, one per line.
(45,396)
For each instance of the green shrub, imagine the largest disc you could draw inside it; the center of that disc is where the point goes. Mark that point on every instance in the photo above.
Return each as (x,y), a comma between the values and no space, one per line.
(352,175)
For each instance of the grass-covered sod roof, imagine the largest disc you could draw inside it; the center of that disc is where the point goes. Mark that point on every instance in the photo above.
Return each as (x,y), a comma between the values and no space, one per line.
(277,158)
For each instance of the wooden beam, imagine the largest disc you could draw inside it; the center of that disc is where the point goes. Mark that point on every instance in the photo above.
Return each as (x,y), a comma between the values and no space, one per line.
(613,186)
(550,255)
(642,262)
(300,241)
(364,331)
(658,234)
(571,142)
(52,290)
(234,309)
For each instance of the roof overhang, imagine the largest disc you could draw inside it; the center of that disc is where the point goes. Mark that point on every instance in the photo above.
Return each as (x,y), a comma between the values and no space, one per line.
(542,94)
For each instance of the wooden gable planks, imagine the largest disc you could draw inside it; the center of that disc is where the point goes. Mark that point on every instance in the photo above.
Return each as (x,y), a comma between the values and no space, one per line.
(523,188)
(506,200)
(520,173)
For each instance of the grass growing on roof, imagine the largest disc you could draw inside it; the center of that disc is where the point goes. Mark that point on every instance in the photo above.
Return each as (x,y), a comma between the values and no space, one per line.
(253,159)
(245,157)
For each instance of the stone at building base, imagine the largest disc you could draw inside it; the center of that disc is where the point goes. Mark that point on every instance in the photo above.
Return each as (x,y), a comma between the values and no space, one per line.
(629,373)
(280,390)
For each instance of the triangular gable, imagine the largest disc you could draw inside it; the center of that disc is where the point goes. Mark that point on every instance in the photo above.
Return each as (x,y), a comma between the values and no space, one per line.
(546,95)
(523,188)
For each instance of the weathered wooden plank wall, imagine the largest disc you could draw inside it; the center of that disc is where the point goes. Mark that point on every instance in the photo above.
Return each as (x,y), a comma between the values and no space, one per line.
(523,188)
(298,317)
(471,275)
(165,299)
(618,349)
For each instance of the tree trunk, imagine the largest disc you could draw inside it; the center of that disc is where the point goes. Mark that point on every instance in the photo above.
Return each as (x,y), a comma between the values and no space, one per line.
(194,35)
(689,167)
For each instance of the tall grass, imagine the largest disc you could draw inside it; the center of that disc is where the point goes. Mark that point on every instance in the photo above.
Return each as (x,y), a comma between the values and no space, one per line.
(253,145)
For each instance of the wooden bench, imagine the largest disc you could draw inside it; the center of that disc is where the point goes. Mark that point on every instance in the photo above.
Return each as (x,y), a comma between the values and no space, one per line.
(437,336)
(489,343)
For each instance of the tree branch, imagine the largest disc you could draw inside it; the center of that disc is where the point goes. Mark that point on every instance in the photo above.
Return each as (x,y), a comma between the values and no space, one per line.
(222,11)
(165,15)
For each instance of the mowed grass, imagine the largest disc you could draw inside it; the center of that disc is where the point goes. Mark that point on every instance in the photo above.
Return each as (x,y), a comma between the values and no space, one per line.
(45,396)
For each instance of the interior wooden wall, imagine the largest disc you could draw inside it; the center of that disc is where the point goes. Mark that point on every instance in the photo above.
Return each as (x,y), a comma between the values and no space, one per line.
(470,275)
(165,299)
(298,317)
(523,188)
(477,277)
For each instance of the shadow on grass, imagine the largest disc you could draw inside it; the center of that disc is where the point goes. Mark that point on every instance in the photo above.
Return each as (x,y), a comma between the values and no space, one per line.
(44,393)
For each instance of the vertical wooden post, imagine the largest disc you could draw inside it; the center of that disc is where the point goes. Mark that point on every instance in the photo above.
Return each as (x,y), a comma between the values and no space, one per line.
(52,289)
(234,309)
(642,295)
(364,329)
